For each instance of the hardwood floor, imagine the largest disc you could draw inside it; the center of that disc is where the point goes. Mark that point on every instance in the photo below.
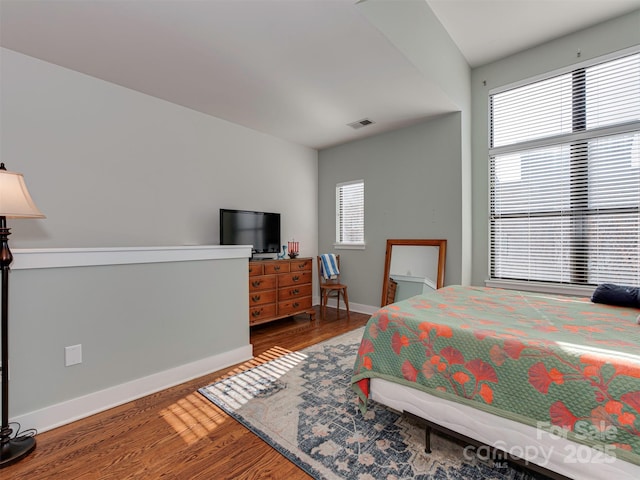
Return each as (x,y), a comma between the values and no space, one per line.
(177,433)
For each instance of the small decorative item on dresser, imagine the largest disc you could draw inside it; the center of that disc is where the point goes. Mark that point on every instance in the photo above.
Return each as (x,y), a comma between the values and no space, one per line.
(294,249)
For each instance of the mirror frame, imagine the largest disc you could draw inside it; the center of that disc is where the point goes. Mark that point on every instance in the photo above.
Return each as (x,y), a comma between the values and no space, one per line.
(442,252)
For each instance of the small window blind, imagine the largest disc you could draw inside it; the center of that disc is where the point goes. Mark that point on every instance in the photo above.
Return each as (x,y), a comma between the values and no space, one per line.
(565,177)
(350,212)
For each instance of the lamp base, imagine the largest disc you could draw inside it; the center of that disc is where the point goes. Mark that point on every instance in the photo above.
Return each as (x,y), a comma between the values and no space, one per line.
(15,449)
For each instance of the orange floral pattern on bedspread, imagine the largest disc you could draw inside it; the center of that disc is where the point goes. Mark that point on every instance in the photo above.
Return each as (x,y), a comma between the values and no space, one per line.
(541,360)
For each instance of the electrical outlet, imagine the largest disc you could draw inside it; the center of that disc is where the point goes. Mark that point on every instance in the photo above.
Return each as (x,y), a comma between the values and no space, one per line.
(72,355)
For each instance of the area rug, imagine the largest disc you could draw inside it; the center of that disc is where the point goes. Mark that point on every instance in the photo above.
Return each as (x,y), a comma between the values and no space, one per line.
(302,405)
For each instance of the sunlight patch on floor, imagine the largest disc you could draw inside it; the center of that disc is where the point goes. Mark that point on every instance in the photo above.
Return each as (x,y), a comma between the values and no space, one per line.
(194,417)
(256,382)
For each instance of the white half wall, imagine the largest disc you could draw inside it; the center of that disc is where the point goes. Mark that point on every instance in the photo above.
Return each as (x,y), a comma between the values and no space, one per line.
(142,326)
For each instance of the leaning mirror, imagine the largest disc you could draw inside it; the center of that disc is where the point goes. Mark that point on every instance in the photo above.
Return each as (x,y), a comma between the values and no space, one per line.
(412,267)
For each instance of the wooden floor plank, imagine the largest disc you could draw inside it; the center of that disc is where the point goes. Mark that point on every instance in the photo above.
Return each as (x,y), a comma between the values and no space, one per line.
(176,433)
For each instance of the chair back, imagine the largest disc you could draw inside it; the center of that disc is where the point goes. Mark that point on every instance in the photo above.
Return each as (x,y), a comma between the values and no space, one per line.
(325,281)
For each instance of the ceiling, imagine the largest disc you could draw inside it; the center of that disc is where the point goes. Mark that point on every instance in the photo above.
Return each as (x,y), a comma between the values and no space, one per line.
(300,70)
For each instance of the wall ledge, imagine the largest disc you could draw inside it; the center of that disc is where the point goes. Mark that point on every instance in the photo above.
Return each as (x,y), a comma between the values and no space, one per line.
(32,258)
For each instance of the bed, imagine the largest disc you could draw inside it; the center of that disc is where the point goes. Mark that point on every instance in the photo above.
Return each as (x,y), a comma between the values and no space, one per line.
(552,380)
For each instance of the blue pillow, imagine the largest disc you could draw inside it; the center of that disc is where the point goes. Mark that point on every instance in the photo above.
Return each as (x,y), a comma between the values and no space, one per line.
(619,295)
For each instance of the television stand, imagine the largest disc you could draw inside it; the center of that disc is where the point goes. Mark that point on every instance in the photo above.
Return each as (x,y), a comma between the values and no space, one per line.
(280,289)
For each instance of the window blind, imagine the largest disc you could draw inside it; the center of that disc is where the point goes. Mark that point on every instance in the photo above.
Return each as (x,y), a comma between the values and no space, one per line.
(565,177)
(350,212)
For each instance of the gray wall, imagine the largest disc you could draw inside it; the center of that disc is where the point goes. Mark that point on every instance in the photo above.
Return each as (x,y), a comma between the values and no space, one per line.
(131,320)
(413,189)
(430,51)
(110,166)
(590,43)
(113,167)
(415,30)
(417,179)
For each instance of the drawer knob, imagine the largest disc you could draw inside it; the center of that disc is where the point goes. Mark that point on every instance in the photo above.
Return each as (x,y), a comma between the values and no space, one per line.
(295,278)
(295,291)
(296,304)
(256,313)
(276,268)
(256,283)
(255,298)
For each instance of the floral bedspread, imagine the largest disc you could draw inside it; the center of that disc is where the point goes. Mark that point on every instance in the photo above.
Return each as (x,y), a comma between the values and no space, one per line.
(550,362)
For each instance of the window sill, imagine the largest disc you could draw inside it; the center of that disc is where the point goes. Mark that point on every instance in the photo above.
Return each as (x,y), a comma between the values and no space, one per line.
(557,289)
(349,246)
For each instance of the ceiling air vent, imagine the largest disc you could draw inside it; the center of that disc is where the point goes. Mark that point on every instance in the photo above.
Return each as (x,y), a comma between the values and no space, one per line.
(361,123)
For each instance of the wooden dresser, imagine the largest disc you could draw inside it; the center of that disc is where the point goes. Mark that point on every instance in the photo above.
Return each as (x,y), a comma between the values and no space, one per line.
(279,289)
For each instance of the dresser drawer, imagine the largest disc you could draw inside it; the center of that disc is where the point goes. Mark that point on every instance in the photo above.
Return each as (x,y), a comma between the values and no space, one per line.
(260,297)
(259,313)
(301,265)
(276,267)
(294,291)
(255,268)
(265,282)
(294,278)
(295,305)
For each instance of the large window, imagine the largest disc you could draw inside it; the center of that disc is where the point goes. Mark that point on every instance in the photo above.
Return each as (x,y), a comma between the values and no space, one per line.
(565,177)
(350,213)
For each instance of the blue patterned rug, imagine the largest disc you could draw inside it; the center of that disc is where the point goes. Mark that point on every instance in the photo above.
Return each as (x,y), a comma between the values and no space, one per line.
(303,406)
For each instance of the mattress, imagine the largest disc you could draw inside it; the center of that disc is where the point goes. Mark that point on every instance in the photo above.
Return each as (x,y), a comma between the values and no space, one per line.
(549,450)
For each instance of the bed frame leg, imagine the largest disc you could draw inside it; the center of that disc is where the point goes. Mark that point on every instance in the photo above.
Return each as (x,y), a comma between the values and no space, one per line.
(427,429)
(427,439)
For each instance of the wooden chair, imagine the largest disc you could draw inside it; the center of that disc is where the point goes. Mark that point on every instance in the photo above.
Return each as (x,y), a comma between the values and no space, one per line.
(332,288)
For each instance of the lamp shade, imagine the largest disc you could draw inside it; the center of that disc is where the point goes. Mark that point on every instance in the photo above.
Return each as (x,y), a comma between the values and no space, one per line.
(15,201)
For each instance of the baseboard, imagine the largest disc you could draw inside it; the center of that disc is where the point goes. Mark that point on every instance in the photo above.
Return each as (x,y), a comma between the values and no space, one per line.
(354,307)
(81,407)
(360,308)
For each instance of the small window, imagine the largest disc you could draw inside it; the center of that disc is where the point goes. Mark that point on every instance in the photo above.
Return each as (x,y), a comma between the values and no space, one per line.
(350,213)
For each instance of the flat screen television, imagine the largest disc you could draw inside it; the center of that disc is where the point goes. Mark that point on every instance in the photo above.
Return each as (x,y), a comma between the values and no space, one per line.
(245,227)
